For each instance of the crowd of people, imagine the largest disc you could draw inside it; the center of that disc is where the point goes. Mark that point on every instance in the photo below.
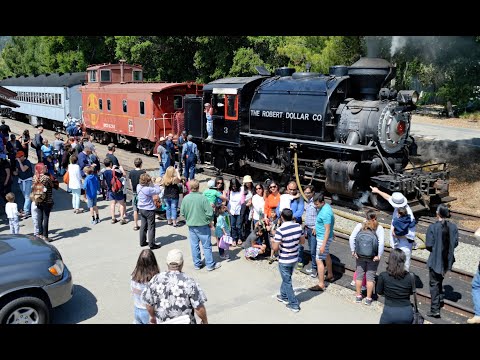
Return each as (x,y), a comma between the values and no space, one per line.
(263,218)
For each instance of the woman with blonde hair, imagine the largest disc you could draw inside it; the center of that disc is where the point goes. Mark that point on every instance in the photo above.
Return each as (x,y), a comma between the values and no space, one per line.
(369,230)
(171,194)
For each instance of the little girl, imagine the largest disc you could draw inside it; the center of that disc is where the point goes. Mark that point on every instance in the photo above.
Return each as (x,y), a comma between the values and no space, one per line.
(222,228)
(11,209)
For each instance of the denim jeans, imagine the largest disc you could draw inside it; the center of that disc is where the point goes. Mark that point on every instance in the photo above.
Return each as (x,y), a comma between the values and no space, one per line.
(171,205)
(210,128)
(286,288)
(76,198)
(201,234)
(406,246)
(26,188)
(236,224)
(189,171)
(476,293)
(312,244)
(141,316)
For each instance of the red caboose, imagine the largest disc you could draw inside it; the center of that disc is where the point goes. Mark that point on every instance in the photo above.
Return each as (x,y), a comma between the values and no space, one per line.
(118,107)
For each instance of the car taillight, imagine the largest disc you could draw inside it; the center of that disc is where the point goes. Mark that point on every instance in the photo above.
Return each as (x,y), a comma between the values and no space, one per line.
(57,268)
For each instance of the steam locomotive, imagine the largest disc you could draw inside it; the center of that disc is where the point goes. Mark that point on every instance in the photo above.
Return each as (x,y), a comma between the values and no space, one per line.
(342,132)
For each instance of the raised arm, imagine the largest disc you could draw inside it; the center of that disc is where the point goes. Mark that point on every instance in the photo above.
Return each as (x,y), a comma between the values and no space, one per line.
(376,190)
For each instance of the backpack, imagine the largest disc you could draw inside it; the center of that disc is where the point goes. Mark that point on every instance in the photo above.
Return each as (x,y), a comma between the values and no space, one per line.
(366,244)
(189,153)
(115,183)
(39,192)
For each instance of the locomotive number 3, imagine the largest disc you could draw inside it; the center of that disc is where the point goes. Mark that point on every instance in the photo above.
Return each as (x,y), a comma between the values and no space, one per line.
(225,130)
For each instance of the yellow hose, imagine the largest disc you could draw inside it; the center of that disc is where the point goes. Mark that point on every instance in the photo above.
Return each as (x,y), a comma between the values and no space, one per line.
(346,215)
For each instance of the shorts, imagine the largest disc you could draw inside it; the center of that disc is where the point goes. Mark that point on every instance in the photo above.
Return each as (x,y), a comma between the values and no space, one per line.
(135,203)
(118,196)
(91,202)
(327,248)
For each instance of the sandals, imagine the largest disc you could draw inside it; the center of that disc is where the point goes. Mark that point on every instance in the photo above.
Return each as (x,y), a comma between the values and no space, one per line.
(123,222)
(136,228)
(114,221)
(317,288)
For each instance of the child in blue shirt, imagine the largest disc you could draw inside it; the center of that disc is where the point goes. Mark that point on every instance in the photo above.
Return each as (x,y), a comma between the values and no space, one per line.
(91,186)
(222,228)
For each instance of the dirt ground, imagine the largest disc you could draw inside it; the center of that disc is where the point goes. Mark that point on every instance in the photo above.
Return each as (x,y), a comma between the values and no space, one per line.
(463,162)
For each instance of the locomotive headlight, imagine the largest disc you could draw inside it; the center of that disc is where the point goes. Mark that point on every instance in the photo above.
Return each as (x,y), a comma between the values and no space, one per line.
(407,97)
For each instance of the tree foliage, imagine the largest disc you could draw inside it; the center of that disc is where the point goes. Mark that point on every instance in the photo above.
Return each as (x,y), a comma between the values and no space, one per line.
(445,68)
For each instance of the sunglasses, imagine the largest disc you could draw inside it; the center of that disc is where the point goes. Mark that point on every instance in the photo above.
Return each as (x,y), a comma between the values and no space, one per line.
(272,187)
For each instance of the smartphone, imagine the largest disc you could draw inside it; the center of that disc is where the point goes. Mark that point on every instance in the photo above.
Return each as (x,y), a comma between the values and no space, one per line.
(175,166)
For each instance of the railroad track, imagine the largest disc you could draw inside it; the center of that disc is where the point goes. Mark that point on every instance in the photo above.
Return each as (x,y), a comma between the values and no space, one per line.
(459,280)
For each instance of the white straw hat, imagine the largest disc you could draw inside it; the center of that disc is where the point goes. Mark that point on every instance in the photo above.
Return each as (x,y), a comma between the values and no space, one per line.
(397,200)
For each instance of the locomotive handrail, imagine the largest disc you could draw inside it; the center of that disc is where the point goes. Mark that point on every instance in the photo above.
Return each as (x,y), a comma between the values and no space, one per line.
(163,118)
(427,165)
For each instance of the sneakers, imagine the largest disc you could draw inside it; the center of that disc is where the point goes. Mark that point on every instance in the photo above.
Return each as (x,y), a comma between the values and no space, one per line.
(434,314)
(358,299)
(474,320)
(314,274)
(352,283)
(217,265)
(97,221)
(209,138)
(294,309)
(93,222)
(279,298)
(368,301)
(299,266)
(225,257)
(198,267)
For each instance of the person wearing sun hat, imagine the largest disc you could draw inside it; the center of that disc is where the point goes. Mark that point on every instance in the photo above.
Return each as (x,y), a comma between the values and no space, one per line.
(406,242)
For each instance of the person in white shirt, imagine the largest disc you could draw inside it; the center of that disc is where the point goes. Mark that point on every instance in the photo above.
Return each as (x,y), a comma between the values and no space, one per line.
(11,209)
(75,183)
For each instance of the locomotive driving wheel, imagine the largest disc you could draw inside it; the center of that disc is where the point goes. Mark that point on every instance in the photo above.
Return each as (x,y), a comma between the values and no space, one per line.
(379,202)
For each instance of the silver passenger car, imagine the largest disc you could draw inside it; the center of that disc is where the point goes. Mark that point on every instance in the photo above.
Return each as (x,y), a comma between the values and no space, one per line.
(33,280)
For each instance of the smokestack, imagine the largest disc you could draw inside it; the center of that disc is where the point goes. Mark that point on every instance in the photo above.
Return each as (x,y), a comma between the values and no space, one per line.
(122,68)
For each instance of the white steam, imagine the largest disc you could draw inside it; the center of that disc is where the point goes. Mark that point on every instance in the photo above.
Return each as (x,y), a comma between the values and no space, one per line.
(398,42)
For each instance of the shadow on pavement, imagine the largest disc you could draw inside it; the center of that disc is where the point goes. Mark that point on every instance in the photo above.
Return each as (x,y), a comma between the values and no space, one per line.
(82,306)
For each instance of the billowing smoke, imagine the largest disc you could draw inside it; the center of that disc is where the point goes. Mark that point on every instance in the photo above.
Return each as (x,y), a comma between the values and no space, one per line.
(398,42)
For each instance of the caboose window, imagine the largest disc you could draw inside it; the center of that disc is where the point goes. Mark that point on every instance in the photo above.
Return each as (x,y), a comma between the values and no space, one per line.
(137,75)
(92,76)
(105,76)
(124,105)
(178,102)
(142,107)
(100,104)
(109,105)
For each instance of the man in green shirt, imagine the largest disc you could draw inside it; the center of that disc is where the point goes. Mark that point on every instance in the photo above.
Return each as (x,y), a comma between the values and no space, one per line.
(198,214)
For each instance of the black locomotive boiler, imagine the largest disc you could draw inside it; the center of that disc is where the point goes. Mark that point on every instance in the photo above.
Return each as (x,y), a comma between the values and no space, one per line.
(341,132)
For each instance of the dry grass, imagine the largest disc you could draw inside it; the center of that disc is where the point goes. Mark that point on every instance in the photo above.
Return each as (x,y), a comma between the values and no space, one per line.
(463,162)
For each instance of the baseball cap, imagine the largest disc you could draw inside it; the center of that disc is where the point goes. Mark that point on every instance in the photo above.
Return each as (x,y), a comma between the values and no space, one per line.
(207,104)
(20,154)
(175,256)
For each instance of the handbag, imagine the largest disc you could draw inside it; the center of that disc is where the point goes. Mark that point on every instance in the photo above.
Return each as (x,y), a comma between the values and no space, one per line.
(227,239)
(417,317)
(66,178)
(55,183)
(222,244)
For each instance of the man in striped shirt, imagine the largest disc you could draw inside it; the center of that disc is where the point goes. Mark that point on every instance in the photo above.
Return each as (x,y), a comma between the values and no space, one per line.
(287,239)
